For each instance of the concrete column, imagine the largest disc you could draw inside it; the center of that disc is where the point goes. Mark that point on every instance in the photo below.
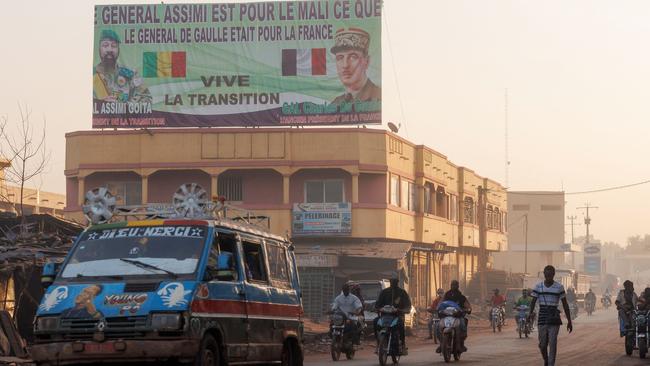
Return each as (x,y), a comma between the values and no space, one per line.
(145,189)
(355,188)
(81,191)
(214,186)
(286,180)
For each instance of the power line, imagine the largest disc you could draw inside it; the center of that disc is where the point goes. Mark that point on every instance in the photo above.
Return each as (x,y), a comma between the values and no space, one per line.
(583,192)
(392,58)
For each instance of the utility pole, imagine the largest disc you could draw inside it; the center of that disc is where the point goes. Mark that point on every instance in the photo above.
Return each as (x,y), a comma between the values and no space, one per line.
(526,244)
(586,207)
(573,255)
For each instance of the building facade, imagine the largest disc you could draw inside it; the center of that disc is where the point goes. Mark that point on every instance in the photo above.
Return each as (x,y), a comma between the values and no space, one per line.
(357,203)
(34,201)
(536,234)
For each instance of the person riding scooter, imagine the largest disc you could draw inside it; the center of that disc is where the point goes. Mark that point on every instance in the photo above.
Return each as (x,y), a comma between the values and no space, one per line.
(456,296)
(433,310)
(524,300)
(590,300)
(499,301)
(351,306)
(626,301)
(398,298)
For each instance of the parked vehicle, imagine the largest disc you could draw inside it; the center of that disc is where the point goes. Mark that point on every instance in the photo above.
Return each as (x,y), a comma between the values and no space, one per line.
(389,337)
(189,286)
(342,335)
(523,325)
(450,342)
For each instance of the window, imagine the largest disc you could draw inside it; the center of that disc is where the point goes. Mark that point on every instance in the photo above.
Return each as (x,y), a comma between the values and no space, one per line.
(428,202)
(226,243)
(126,193)
(254,262)
(394,190)
(395,146)
(404,194)
(278,266)
(324,191)
(453,207)
(442,209)
(413,197)
(468,212)
(231,187)
(551,207)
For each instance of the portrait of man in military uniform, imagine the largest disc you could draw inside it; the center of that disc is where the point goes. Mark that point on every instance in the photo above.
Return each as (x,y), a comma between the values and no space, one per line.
(352,61)
(113,82)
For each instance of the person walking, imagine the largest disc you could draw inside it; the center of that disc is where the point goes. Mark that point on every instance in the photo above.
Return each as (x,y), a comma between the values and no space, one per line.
(549,294)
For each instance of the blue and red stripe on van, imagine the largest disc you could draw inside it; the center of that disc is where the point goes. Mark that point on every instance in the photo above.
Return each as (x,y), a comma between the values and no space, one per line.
(214,307)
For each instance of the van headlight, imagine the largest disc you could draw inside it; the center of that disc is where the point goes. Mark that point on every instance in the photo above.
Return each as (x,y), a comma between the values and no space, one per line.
(166,321)
(45,323)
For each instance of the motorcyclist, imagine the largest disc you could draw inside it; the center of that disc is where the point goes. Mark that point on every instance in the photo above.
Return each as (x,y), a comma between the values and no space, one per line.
(625,302)
(606,297)
(590,299)
(523,300)
(351,306)
(355,289)
(398,298)
(499,301)
(433,309)
(456,296)
(644,300)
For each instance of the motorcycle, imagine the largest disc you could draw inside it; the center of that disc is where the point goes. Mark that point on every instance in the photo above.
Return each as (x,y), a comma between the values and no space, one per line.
(641,331)
(496,318)
(450,342)
(590,307)
(389,337)
(573,309)
(434,324)
(342,334)
(606,301)
(523,325)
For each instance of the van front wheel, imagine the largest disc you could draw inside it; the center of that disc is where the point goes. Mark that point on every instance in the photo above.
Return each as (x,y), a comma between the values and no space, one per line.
(208,352)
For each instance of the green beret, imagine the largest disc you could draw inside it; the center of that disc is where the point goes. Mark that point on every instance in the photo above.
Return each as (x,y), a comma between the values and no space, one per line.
(109,34)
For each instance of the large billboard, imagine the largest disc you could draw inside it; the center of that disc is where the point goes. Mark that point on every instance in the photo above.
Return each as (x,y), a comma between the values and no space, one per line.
(237,64)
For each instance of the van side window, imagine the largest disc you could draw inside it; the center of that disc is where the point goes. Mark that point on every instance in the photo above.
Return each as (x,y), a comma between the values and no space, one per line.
(254,262)
(227,243)
(278,268)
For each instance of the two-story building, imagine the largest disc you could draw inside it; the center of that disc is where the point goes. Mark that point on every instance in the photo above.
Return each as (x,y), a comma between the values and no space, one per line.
(358,203)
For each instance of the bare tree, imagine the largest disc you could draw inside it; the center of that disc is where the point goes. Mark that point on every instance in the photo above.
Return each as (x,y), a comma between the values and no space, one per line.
(28,156)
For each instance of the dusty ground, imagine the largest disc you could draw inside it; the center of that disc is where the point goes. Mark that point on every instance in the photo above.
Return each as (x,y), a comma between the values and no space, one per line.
(594,341)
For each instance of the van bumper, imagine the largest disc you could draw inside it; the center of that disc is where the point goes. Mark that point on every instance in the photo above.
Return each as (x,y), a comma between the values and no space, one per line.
(119,351)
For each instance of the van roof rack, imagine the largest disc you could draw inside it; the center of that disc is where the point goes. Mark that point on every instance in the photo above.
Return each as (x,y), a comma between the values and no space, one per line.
(189,202)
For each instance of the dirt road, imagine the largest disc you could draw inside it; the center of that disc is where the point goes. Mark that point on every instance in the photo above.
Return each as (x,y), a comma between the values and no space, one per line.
(594,341)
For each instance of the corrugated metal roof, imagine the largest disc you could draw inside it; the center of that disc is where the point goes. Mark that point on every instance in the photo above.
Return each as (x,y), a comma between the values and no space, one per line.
(384,250)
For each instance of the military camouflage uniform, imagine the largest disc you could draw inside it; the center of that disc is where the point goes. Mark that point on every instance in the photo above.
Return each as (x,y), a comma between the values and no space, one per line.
(124,84)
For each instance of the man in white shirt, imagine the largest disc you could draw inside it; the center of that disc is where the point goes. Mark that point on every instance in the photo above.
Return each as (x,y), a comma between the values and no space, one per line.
(350,305)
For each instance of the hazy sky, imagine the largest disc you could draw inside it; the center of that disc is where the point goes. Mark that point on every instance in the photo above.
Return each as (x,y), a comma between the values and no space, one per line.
(577,72)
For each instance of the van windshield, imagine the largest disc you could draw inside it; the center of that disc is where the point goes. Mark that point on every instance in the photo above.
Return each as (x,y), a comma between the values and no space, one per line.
(142,250)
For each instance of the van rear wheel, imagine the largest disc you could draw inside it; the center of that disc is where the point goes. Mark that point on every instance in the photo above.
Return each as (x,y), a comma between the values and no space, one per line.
(208,352)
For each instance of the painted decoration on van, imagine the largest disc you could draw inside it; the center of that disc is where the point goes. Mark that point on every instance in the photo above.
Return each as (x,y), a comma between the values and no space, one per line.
(84,306)
(105,300)
(54,298)
(173,294)
(151,231)
(128,303)
(322,218)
